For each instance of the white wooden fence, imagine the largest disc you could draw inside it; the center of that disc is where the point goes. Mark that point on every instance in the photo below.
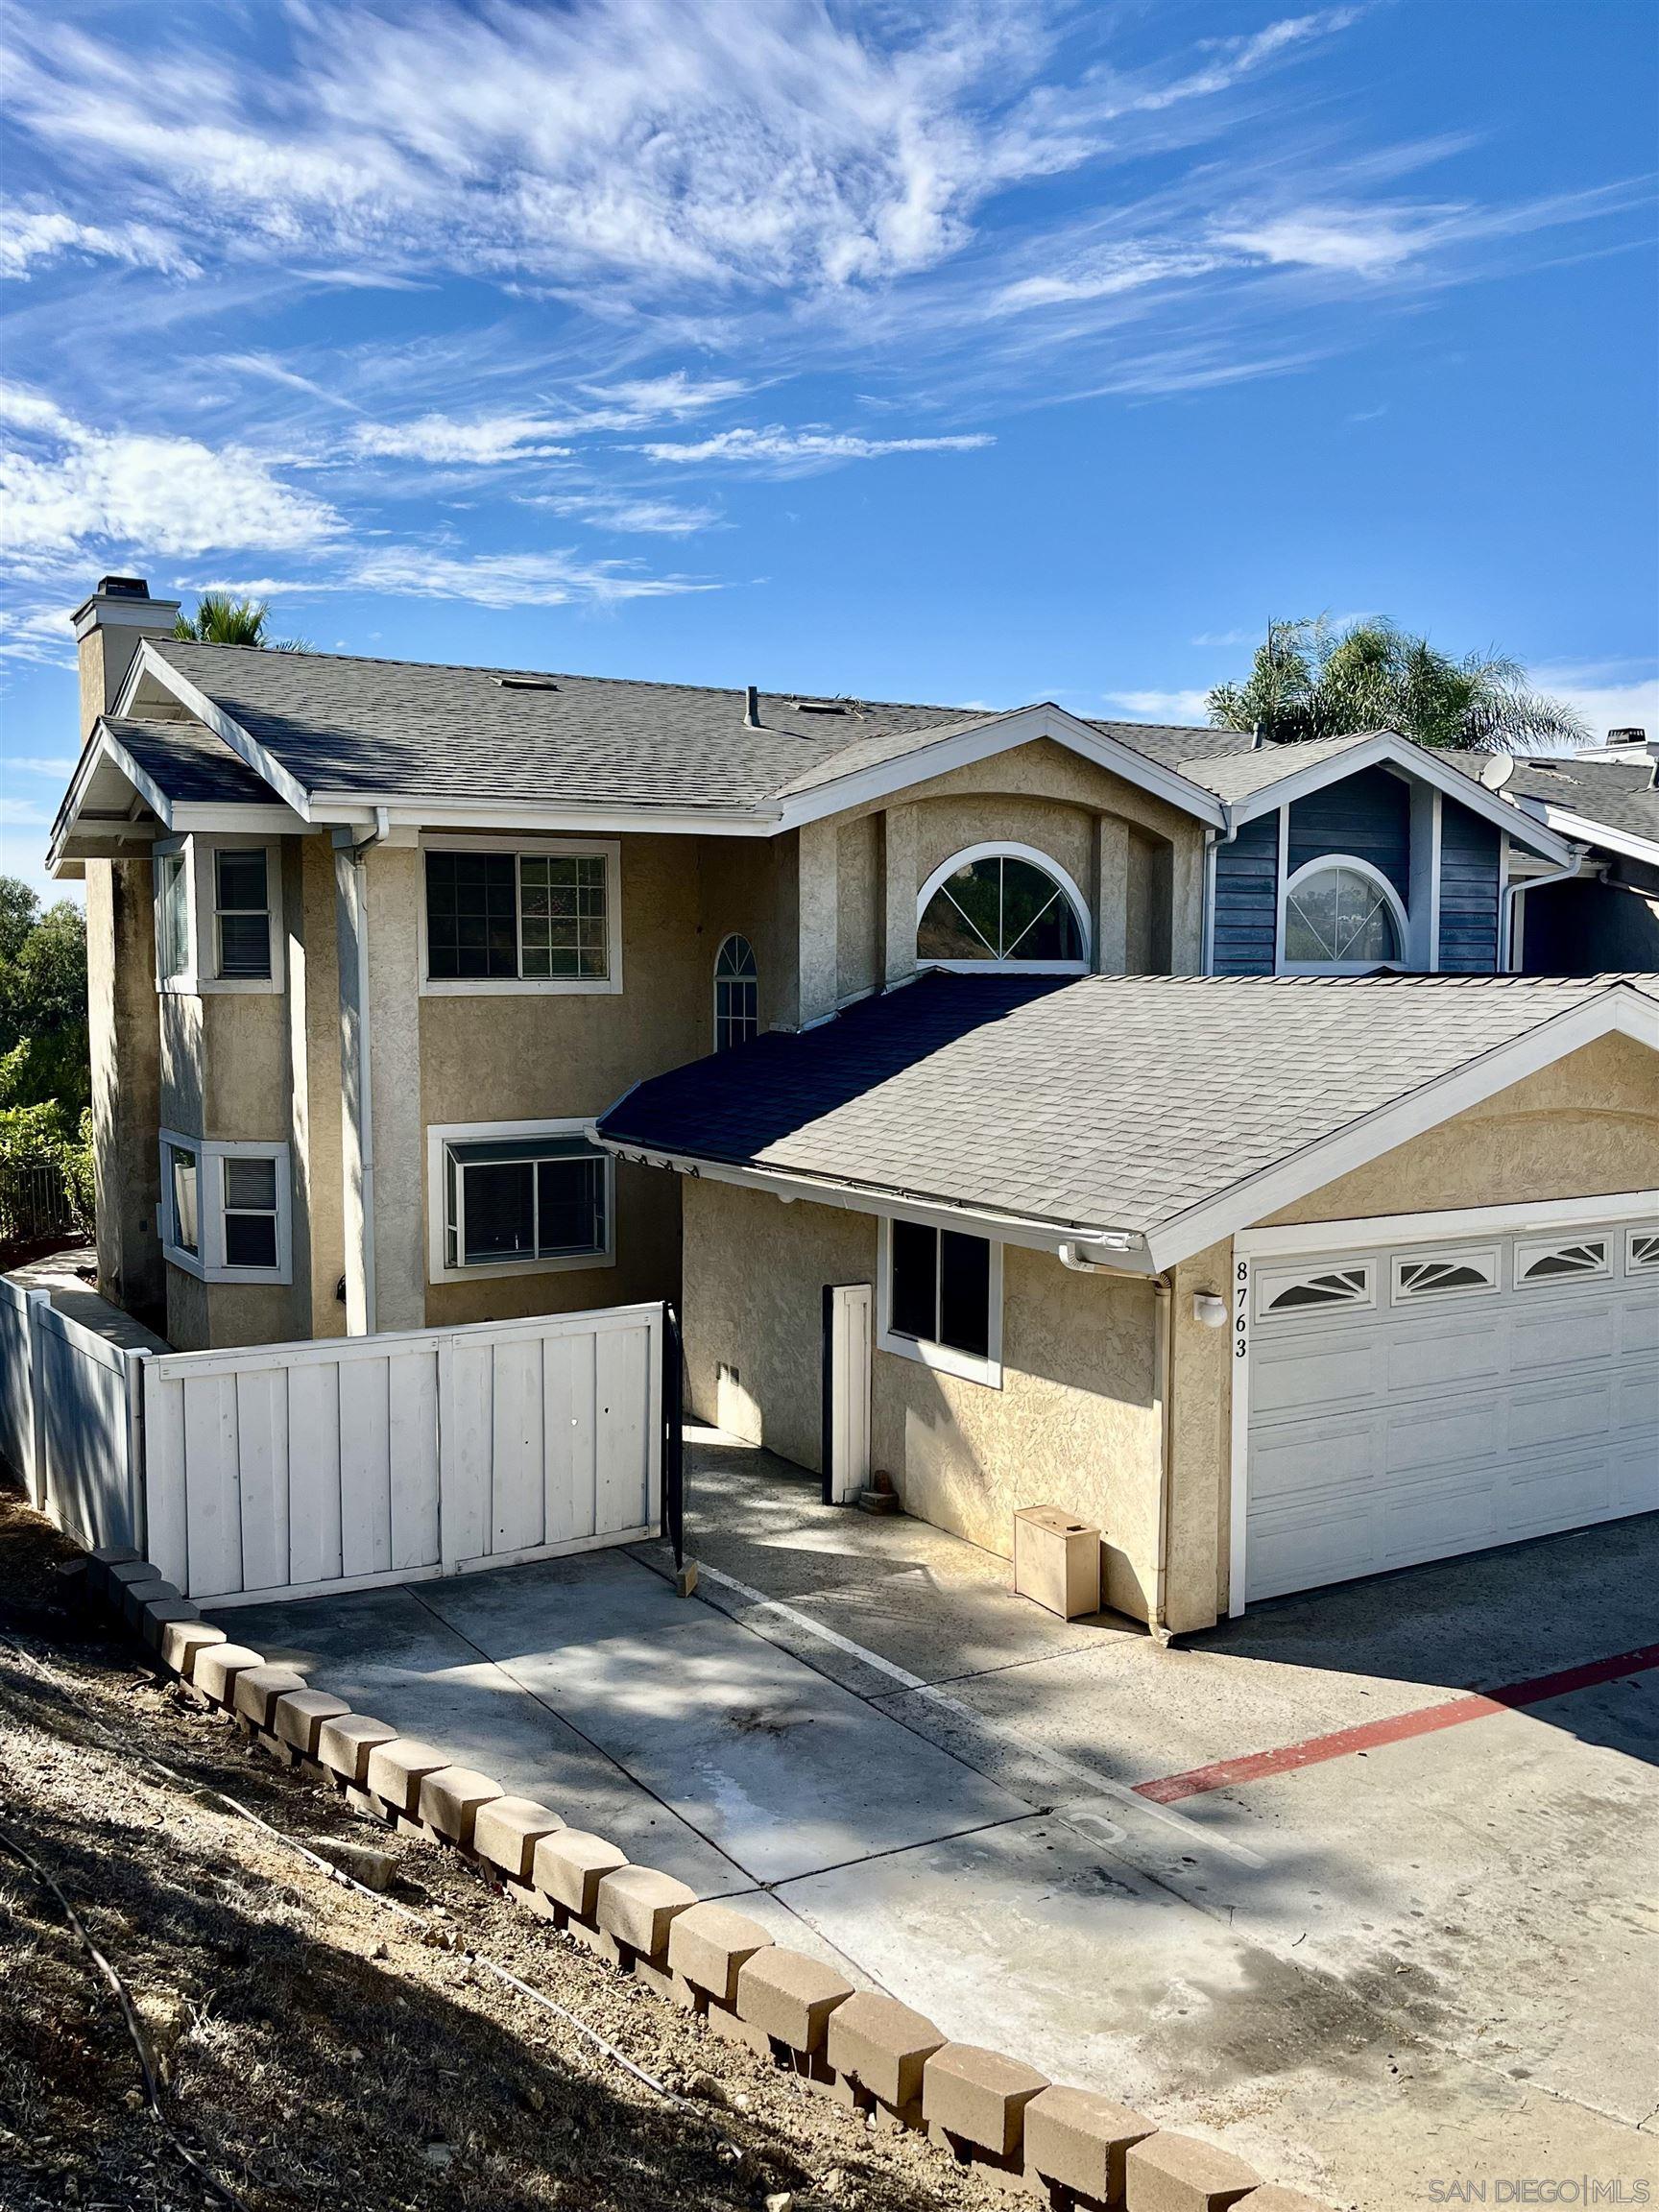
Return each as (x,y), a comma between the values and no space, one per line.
(287,1470)
(70,1415)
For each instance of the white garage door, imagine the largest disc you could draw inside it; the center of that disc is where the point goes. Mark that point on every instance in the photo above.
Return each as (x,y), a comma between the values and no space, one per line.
(1409,1401)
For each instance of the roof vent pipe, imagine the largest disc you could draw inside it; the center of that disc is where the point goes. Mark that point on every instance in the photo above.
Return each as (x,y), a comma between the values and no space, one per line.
(751,707)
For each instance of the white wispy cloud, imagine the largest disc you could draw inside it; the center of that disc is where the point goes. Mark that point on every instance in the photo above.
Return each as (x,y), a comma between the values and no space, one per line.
(1609,695)
(553,579)
(485,440)
(796,450)
(66,486)
(1177,707)
(440,438)
(619,511)
(37,765)
(33,236)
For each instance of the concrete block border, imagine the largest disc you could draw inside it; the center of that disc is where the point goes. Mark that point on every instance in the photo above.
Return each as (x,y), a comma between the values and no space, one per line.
(1072,2149)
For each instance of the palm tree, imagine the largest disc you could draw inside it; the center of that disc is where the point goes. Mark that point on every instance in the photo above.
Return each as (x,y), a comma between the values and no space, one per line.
(221,621)
(1310,680)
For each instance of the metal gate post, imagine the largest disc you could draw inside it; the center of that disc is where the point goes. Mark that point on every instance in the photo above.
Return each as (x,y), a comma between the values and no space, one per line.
(674,1447)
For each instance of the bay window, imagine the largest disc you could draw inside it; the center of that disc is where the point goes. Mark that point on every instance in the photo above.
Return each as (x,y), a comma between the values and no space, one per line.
(224,1208)
(511,1198)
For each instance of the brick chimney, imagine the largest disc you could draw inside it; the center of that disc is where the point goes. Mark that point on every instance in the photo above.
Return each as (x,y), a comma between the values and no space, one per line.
(108,629)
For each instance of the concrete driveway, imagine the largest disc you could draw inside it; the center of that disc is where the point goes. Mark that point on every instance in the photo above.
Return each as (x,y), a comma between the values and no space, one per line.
(1291,1886)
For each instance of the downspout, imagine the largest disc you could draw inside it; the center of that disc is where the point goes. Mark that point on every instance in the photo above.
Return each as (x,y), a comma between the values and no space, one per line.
(356,852)
(1513,885)
(1163,1384)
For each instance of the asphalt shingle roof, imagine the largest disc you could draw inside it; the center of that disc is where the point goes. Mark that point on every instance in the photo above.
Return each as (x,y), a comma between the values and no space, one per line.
(1241,774)
(1106,1102)
(188,761)
(1619,793)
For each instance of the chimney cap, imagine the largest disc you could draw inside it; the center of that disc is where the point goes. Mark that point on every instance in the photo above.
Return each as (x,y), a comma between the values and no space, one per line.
(122,588)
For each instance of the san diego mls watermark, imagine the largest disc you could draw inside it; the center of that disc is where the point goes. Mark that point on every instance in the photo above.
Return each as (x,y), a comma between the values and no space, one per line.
(1540,2189)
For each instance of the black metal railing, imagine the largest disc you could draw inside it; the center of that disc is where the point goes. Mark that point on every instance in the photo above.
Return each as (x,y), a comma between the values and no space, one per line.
(34,1202)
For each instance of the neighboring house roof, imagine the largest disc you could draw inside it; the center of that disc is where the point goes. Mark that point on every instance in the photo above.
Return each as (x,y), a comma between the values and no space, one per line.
(1119,1111)
(1590,799)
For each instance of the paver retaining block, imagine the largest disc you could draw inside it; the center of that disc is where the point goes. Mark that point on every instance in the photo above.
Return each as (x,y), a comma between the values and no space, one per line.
(636,1905)
(183,1644)
(449,1801)
(708,1945)
(299,1717)
(1078,2140)
(1180,2173)
(570,1864)
(118,1572)
(257,1690)
(881,2045)
(101,1561)
(154,1590)
(397,1768)
(979,2096)
(506,1831)
(217,1667)
(156,1618)
(343,1745)
(790,1997)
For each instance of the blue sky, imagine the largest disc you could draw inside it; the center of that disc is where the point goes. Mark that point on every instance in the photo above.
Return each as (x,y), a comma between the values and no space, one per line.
(967,352)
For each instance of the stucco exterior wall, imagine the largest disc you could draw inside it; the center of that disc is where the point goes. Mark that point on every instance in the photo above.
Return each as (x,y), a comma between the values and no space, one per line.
(859,908)
(1588,1123)
(125,1072)
(313,1010)
(1075,1423)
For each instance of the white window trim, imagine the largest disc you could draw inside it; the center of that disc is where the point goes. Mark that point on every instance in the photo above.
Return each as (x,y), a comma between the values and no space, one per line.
(944,1358)
(739,936)
(609,848)
(1270,1281)
(1484,1256)
(202,911)
(1536,1247)
(1374,876)
(1001,849)
(209,1264)
(439,1134)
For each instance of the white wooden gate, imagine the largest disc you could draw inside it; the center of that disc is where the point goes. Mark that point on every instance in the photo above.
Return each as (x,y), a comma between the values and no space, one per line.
(848,1320)
(287,1470)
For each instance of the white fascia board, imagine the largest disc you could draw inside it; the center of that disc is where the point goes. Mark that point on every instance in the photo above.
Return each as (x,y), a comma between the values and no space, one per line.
(1619,1008)
(1386,747)
(1598,834)
(220,814)
(147,661)
(1118,1249)
(353,809)
(1365,1230)
(100,746)
(1001,734)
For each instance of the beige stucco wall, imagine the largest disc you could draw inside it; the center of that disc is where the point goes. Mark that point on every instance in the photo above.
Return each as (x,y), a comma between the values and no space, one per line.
(1075,1423)
(313,1009)
(125,1072)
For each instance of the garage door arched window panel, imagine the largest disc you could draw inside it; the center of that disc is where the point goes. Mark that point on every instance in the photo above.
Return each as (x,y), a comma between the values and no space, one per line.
(1005,906)
(1342,917)
(1642,1251)
(1561,1260)
(737,993)
(1445,1274)
(1290,1291)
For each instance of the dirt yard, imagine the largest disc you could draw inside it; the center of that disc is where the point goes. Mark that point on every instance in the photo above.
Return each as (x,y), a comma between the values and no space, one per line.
(314,2048)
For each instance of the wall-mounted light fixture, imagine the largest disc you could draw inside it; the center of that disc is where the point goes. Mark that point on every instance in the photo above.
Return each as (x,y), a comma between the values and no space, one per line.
(1209,1307)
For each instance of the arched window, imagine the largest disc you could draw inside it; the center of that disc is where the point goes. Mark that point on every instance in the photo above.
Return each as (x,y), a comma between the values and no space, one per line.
(1003,905)
(737,993)
(1341,917)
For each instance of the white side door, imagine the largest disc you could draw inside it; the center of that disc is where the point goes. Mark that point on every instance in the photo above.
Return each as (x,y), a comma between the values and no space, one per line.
(849,1316)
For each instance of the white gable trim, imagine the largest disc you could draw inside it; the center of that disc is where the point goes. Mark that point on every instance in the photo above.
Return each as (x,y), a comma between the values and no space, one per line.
(1002,734)
(1386,748)
(1580,826)
(147,661)
(1620,1008)
(180,815)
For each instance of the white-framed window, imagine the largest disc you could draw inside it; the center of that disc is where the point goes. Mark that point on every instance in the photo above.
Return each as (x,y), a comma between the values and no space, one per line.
(518,1198)
(1641,1250)
(1300,1290)
(939,1299)
(218,914)
(242,912)
(1560,1259)
(1006,907)
(1421,1275)
(1342,917)
(737,993)
(520,915)
(225,1208)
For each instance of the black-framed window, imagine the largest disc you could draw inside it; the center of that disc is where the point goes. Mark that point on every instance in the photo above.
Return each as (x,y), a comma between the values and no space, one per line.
(940,1288)
(538,916)
(521,1198)
(242,911)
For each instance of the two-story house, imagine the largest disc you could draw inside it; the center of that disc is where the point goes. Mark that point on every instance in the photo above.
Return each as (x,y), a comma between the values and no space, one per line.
(391,964)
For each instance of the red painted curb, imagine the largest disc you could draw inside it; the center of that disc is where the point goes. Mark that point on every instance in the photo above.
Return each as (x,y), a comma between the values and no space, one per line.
(1399,1728)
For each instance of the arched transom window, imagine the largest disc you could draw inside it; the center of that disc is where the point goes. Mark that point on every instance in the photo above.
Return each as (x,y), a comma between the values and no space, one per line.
(1003,905)
(1341,917)
(737,993)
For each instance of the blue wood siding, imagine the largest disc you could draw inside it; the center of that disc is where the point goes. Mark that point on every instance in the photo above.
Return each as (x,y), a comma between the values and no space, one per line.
(1468,858)
(1246,917)
(1369,815)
